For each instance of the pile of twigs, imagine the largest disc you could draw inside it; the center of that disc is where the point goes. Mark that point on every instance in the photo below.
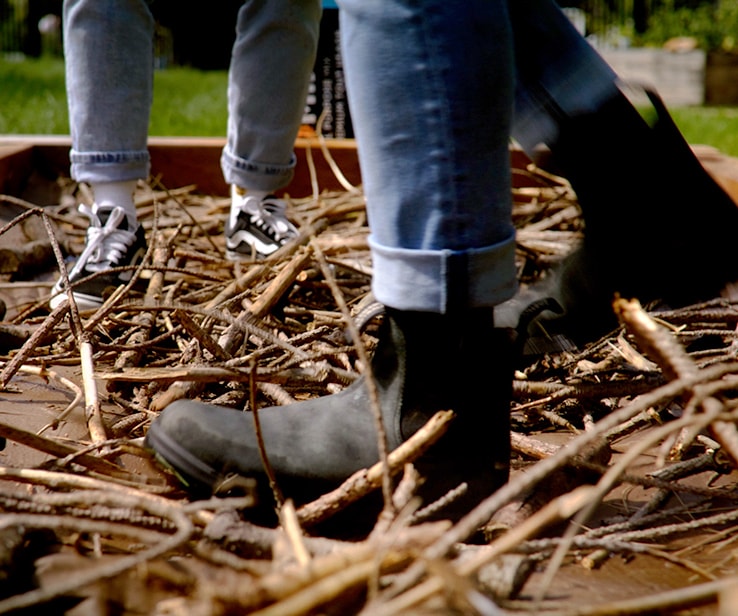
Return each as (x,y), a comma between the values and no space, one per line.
(192,324)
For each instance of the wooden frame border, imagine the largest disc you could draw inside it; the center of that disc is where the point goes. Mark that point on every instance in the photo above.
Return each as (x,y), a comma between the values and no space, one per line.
(179,161)
(182,161)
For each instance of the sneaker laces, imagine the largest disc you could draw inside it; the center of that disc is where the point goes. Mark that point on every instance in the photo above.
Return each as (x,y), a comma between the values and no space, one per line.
(105,244)
(269,212)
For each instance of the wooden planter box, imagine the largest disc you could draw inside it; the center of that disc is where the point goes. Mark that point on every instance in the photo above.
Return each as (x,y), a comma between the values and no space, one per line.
(679,77)
(721,78)
(179,161)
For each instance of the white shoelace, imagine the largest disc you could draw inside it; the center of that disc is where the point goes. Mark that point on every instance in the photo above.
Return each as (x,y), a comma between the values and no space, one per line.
(105,244)
(270,213)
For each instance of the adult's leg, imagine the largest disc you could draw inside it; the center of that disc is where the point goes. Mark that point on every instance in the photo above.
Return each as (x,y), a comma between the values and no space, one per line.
(432,124)
(273,57)
(109,65)
(269,76)
(432,88)
(108,49)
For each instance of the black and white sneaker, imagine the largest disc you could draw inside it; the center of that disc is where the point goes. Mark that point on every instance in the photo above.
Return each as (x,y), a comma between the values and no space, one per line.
(256,227)
(110,244)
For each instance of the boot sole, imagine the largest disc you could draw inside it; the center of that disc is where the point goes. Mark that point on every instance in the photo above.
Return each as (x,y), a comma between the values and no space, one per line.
(190,470)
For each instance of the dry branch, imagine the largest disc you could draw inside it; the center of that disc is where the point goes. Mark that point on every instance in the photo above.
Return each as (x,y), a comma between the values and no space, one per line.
(255,333)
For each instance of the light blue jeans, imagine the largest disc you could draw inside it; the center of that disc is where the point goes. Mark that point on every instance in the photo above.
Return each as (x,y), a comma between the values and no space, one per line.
(436,90)
(109,72)
(436,87)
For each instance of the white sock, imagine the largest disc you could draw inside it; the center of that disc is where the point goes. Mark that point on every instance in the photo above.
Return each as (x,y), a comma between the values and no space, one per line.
(119,194)
(238,192)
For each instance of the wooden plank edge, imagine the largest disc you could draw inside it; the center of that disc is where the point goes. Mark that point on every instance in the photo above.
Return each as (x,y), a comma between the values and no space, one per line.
(180,161)
(16,164)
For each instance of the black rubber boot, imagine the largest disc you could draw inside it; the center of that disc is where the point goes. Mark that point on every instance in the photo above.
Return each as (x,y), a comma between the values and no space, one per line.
(657,225)
(423,363)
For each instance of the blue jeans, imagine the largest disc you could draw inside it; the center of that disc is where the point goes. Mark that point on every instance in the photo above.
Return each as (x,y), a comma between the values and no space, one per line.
(436,90)
(109,71)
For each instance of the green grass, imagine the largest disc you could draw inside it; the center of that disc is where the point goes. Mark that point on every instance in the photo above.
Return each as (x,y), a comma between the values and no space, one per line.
(193,103)
(189,103)
(33,99)
(715,126)
(186,102)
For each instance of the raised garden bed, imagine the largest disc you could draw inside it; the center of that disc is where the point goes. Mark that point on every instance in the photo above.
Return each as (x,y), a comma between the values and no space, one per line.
(108,529)
(176,161)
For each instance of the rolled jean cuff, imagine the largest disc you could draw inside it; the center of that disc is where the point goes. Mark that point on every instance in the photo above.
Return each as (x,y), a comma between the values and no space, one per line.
(109,166)
(442,281)
(256,175)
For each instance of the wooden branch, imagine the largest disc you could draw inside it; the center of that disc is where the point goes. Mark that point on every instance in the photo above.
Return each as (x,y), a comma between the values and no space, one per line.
(145,320)
(58,449)
(280,284)
(36,255)
(213,374)
(366,480)
(44,330)
(93,412)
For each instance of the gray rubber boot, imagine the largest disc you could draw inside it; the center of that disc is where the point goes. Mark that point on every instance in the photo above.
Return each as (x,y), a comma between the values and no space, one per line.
(423,363)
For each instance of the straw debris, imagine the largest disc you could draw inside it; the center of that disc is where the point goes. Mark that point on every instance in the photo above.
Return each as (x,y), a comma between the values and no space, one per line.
(625,450)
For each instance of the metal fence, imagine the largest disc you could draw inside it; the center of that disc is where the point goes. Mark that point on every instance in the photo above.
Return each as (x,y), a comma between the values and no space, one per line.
(604,17)
(185,34)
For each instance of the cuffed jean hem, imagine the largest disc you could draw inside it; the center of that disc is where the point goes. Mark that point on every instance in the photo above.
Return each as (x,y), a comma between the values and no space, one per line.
(109,166)
(443,281)
(256,175)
